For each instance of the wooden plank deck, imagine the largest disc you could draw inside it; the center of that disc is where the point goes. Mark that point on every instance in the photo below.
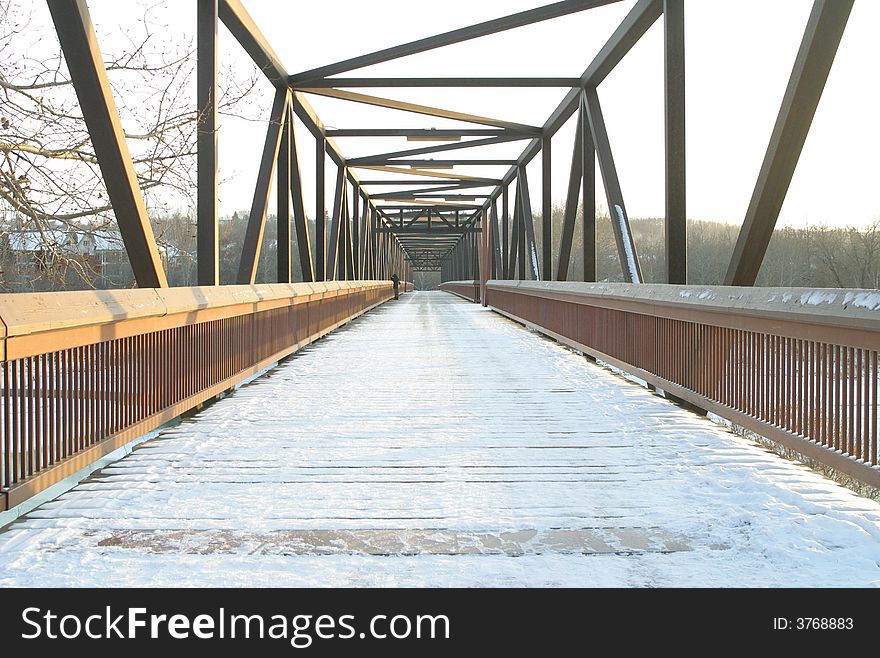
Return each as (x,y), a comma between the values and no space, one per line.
(433,442)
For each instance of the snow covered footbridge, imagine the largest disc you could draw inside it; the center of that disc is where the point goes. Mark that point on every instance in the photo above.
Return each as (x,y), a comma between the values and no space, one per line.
(511,428)
(432,441)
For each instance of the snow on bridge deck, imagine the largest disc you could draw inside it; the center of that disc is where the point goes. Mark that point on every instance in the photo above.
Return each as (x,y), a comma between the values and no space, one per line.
(433,442)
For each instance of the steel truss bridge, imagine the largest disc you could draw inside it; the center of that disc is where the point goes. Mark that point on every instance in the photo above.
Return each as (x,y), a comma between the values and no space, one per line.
(85,373)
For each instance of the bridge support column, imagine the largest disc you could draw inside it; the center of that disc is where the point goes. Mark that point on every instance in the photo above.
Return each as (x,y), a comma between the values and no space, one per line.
(484,255)
(207,231)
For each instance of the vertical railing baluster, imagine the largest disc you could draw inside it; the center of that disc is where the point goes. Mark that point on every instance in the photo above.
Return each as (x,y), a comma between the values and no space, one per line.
(8,440)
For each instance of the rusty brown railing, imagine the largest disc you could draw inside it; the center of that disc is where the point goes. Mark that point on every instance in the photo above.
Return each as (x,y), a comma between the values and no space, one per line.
(799,366)
(83,373)
(469,290)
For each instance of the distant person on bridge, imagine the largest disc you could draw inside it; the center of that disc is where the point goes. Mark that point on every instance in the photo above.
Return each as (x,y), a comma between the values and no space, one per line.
(396,281)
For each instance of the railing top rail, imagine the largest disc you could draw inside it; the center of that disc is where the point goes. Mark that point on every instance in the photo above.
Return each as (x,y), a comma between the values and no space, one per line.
(818,305)
(38,316)
(843,316)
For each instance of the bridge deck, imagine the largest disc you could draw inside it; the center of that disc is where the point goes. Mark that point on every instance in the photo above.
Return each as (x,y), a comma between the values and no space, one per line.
(467,449)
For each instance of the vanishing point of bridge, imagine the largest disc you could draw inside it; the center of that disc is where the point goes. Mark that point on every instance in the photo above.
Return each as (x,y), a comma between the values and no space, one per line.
(511,428)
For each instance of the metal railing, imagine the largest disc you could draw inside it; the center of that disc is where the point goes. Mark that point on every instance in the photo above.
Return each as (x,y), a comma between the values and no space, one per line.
(83,373)
(797,366)
(469,290)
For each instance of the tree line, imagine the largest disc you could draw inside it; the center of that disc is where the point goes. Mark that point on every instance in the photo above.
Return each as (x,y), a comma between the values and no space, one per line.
(818,256)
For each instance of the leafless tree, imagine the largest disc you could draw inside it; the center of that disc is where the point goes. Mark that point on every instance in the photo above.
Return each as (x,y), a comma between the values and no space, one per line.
(850,256)
(49,177)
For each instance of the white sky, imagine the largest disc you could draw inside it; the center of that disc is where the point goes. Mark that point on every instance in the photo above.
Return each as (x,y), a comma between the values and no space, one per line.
(739,58)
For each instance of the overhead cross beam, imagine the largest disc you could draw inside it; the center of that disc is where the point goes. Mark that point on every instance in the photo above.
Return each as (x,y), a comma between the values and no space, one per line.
(444,185)
(420,202)
(448,38)
(416,108)
(451,163)
(389,83)
(382,158)
(426,133)
(430,174)
(433,198)
(421,232)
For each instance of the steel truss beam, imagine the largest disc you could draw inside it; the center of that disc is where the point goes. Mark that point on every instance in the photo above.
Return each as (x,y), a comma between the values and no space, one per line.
(626,248)
(812,65)
(320,209)
(530,250)
(571,202)
(582,177)
(674,120)
(282,197)
(336,219)
(588,192)
(346,248)
(207,228)
(86,66)
(495,243)
(358,242)
(514,241)
(356,230)
(253,239)
(546,210)
(240,24)
(505,232)
(300,221)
